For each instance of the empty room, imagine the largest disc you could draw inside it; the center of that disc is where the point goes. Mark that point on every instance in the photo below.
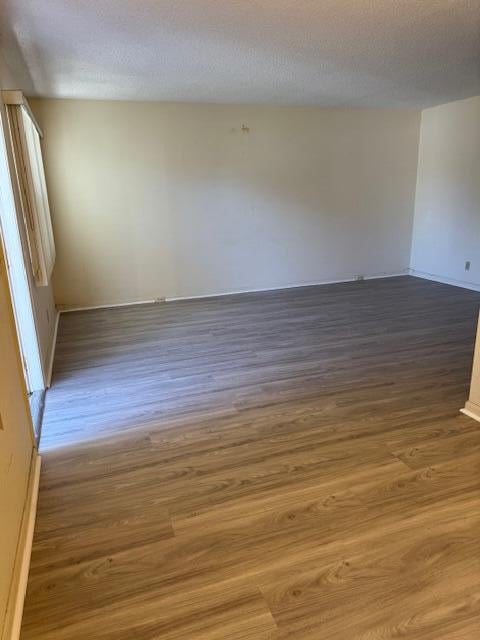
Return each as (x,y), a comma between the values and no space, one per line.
(239,320)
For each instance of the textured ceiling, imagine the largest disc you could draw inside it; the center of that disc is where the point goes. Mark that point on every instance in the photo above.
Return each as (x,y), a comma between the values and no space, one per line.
(399,53)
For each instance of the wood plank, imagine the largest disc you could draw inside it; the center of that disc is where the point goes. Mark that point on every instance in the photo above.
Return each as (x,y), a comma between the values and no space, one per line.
(289,464)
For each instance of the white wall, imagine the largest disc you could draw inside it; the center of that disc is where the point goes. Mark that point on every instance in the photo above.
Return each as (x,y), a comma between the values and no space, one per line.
(447,210)
(13,71)
(154,200)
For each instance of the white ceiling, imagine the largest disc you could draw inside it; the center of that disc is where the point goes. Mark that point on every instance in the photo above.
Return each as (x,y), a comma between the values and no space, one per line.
(399,53)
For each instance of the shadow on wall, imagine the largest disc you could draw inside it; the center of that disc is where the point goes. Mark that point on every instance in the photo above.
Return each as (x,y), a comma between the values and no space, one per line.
(186,203)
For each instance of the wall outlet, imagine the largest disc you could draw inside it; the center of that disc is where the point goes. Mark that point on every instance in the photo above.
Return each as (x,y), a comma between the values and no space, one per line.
(467,265)
(359,277)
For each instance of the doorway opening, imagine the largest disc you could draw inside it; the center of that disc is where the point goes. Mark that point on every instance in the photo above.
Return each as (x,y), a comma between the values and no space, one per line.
(20,284)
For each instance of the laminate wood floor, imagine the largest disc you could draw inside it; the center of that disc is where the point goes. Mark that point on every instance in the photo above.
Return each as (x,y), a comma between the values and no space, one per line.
(283,465)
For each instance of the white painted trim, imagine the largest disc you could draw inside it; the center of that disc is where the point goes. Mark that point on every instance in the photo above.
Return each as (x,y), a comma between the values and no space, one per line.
(24,550)
(16,98)
(286,286)
(471,414)
(436,278)
(112,305)
(19,283)
(52,351)
(65,309)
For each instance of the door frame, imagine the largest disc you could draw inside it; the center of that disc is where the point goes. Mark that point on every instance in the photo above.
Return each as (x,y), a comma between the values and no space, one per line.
(35,376)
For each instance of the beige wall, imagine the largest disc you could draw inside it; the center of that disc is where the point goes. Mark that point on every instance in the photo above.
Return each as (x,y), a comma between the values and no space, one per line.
(154,200)
(447,210)
(472,405)
(16,434)
(16,444)
(475,388)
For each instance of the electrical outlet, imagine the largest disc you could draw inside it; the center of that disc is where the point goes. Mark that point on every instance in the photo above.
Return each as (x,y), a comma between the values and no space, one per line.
(467,265)
(358,278)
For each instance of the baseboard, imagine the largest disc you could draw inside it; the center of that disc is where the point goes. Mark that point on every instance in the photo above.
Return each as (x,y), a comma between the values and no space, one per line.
(52,351)
(464,284)
(317,283)
(16,599)
(471,410)
(111,305)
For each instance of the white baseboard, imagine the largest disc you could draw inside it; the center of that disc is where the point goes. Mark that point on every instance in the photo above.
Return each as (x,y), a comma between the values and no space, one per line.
(68,309)
(16,598)
(110,305)
(471,410)
(465,284)
(286,286)
(52,351)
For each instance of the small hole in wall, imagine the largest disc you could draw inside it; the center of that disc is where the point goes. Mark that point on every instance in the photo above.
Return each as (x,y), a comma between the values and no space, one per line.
(243,129)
